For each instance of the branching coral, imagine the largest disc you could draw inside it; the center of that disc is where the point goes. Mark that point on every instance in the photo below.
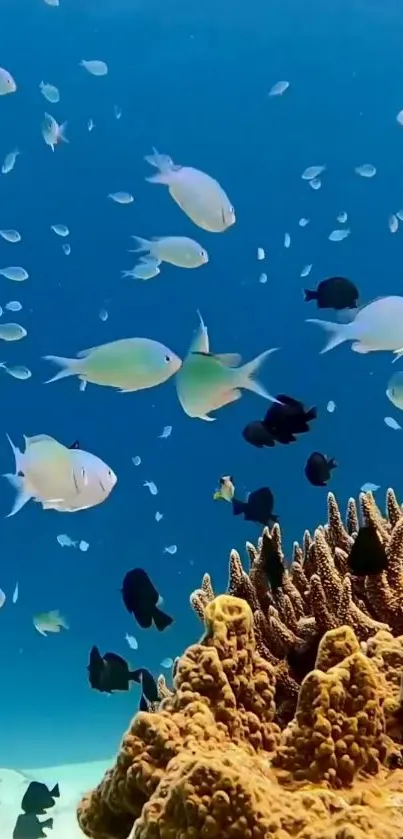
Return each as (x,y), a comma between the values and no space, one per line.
(211,762)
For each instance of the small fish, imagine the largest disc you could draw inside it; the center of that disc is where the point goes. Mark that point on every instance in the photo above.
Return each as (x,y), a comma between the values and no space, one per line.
(103,315)
(287,240)
(303,222)
(136,460)
(399,117)
(260,254)
(393,223)
(151,486)
(12,332)
(94,67)
(377,326)
(13,306)
(367,170)
(146,269)
(394,390)
(2,598)
(263,278)
(199,195)
(90,125)
(392,423)
(121,197)
(60,230)
(166,432)
(167,662)
(38,798)
(130,364)
(331,406)
(312,172)
(334,293)
(399,214)
(66,248)
(15,593)
(306,270)
(367,556)
(342,217)
(132,641)
(283,420)
(318,469)
(53,133)
(226,489)
(50,92)
(171,549)
(65,541)
(10,161)
(148,685)
(176,250)
(52,622)
(315,183)
(15,273)
(339,234)
(279,88)
(109,672)
(117,111)
(158,516)
(28,825)
(141,600)
(83,546)
(17,371)
(257,508)
(369,487)
(7,83)
(12,236)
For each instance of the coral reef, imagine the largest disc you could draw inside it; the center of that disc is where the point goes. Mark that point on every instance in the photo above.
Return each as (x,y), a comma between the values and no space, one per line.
(218,759)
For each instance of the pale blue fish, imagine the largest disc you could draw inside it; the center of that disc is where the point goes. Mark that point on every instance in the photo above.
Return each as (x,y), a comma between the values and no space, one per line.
(94,483)
(129,364)
(7,83)
(207,381)
(52,621)
(199,195)
(377,326)
(52,132)
(394,390)
(147,269)
(177,250)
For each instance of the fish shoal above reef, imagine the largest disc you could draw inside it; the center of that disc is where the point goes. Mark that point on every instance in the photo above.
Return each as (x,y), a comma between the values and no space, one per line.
(247,745)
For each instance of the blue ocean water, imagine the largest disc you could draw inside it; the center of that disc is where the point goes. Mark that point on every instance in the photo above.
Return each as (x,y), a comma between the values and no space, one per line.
(191,79)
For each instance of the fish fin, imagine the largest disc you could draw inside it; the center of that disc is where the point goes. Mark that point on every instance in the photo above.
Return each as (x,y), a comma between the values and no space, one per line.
(248,371)
(310,295)
(75,445)
(398,354)
(55,792)
(61,135)
(332,463)
(311,414)
(22,497)
(70,367)
(229,359)
(238,507)
(200,341)
(217,496)
(360,348)
(160,161)
(161,619)
(47,823)
(338,332)
(143,244)
(136,675)
(18,456)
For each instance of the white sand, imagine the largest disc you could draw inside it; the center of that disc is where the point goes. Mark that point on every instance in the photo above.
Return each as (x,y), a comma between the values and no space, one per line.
(73,779)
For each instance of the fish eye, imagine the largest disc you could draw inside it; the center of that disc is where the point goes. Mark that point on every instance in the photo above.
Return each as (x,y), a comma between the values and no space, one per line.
(167,358)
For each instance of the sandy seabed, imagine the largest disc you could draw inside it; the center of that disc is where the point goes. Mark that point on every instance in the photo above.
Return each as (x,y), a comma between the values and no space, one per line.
(73,779)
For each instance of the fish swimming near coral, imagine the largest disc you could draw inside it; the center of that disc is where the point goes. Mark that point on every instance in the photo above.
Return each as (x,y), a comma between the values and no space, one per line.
(141,598)
(367,556)
(257,508)
(110,672)
(284,419)
(28,826)
(38,798)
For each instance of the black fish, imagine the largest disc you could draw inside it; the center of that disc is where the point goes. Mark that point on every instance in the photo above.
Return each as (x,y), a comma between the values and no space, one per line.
(334,293)
(109,672)
(141,598)
(28,826)
(148,685)
(38,798)
(281,423)
(367,556)
(257,508)
(143,704)
(271,563)
(257,435)
(318,469)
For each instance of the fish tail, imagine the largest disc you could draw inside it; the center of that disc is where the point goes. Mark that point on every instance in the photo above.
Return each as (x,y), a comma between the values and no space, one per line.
(310,294)
(143,245)
(311,414)
(70,367)
(18,456)
(136,675)
(62,133)
(332,463)
(47,823)
(161,161)
(337,332)
(248,372)
(238,507)
(22,497)
(55,792)
(161,619)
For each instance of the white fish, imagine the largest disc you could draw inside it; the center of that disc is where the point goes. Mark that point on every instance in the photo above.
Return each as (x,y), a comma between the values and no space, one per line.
(50,92)
(167,662)
(306,270)
(339,234)
(7,83)
(13,306)
(65,541)
(103,315)
(263,278)
(136,460)
(166,432)
(60,230)
(132,641)
(279,88)
(83,546)
(342,217)
(90,125)
(66,248)
(121,197)
(392,423)
(2,598)
(394,390)
(331,407)
(94,67)
(377,326)
(367,170)
(393,223)
(12,236)
(399,214)
(54,3)
(399,117)
(15,593)
(15,273)
(287,240)
(315,183)
(12,332)
(52,132)
(368,487)
(49,622)
(9,161)
(260,254)
(303,222)
(177,250)
(170,549)
(117,110)
(151,486)
(311,173)
(17,371)
(158,516)
(93,480)
(199,195)
(147,269)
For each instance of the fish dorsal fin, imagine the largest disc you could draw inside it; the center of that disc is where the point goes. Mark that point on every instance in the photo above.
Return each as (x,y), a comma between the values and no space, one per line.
(229,359)
(205,354)
(38,438)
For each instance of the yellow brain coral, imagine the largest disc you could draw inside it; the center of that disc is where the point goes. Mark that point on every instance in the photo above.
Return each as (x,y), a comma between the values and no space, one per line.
(211,762)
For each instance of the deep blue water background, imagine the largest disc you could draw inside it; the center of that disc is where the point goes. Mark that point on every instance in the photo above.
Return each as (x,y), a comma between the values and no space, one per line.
(193,80)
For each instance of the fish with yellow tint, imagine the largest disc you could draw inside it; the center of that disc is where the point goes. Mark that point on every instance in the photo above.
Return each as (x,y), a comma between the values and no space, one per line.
(199,195)
(177,250)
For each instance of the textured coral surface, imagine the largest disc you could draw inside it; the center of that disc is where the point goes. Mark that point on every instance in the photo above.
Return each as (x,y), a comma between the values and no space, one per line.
(250,745)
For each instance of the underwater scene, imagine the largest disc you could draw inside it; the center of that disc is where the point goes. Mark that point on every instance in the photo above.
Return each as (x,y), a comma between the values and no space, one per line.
(201,363)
